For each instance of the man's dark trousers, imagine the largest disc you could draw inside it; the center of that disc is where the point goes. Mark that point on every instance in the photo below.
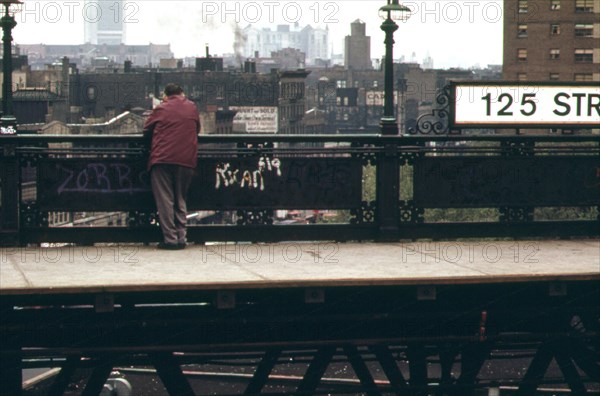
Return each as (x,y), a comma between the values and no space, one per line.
(170,184)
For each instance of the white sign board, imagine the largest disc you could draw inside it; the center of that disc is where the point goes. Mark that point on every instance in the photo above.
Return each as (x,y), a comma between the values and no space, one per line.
(525,105)
(377,98)
(256,119)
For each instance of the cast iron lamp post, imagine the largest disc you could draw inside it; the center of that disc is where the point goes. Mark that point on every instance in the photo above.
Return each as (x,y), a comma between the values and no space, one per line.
(390,13)
(8,121)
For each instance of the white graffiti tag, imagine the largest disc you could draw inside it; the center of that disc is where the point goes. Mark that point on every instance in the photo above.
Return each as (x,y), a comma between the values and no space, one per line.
(227,176)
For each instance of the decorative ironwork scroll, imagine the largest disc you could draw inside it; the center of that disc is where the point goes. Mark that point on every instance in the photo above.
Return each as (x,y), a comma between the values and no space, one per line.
(437,122)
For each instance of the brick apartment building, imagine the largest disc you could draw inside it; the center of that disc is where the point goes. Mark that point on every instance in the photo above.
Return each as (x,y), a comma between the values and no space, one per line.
(551,40)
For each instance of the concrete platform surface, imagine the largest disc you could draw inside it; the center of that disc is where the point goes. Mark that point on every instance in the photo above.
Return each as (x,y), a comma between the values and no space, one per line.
(131,268)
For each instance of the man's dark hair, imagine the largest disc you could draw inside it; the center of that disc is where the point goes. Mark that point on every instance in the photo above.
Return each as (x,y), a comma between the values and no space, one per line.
(173,89)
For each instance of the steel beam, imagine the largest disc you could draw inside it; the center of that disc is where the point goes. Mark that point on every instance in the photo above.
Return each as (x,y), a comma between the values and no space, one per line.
(390,367)
(264,369)
(98,378)
(447,358)
(568,369)
(63,378)
(361,370)
(169,372)
(535,372)
(472,358)
(586,359)
(316,370)
(417,366)
(10,368)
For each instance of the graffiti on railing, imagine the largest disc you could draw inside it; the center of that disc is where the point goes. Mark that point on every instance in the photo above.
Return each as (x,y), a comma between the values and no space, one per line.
(264,182)
(88,184)
(228,175)
(103,179)
(8,130)
(81,184)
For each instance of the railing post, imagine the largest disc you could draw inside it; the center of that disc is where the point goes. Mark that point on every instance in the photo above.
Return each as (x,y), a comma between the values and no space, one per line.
(9,200)
(388,192)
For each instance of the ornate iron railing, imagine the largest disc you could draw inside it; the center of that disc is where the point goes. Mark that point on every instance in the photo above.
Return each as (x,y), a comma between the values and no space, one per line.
(350,187)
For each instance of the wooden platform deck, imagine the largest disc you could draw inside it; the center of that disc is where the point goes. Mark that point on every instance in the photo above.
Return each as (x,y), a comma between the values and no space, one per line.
(132,268)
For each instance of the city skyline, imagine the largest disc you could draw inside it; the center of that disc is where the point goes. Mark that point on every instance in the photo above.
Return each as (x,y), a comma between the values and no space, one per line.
(439,29)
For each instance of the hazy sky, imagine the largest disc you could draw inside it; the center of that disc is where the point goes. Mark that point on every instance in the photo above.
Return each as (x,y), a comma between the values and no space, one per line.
(459,33)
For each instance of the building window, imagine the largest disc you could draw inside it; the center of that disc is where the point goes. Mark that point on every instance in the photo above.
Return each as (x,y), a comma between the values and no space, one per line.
(584,77)
(375,83)
(554,76)
(554,54)
(341,83)
(91,93)
(584,55)
(584,30)
(523,6)
(554,29)
(522,31)
(522,54)
(555,5)
(522,76)
(584,5)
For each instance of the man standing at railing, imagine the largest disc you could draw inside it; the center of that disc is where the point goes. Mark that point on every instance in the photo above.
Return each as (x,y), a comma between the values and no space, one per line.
(173,127)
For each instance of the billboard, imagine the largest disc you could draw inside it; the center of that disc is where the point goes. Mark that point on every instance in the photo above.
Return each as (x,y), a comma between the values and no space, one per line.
(376,98)
(255,119)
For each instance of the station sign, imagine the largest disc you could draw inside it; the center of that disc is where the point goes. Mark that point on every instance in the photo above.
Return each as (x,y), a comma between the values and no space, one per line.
(524,105)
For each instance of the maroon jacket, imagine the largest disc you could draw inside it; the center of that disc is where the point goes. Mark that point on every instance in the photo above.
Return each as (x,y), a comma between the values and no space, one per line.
(174,125)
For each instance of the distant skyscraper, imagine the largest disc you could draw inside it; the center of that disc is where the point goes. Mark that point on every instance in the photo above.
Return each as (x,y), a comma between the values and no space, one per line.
(427,62)
(357,47)
(104,22)
(314,42)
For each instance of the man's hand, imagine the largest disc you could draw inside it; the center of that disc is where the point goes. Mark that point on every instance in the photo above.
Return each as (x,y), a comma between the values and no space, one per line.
(148,135)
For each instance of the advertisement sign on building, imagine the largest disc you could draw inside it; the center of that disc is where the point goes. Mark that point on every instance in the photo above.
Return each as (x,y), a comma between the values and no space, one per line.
(376,98)
(255,119)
